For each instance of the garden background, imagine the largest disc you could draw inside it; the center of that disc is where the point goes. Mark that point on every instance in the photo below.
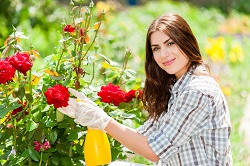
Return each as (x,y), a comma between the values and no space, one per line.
(222,30)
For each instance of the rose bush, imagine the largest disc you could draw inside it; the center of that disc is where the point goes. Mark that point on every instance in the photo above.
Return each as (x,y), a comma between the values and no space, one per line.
(33,132)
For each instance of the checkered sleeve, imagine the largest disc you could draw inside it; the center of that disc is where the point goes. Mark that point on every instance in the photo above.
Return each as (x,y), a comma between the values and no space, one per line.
(147,128)
(189,112)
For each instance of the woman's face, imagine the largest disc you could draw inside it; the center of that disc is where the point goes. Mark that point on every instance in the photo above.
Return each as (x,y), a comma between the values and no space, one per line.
(168,54)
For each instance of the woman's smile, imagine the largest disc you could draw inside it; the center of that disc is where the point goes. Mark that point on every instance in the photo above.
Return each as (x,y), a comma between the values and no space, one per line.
(169,62)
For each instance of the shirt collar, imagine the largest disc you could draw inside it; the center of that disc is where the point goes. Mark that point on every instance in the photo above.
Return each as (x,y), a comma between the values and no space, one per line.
(182,82)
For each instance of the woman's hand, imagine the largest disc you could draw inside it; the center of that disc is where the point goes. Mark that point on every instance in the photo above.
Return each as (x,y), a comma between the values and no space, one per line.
(85,111)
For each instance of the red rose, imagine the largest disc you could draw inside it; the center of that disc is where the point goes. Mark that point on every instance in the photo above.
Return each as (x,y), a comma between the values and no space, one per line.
(112,94)
(41,147)
(21,61)
(69,28)
(133,94)
(58,95)
(7,71)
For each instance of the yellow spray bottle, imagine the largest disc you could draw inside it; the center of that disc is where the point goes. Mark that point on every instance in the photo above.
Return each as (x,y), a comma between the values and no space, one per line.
(96,148)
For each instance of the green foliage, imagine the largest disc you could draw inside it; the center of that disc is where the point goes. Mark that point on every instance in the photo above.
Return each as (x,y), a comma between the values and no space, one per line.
(40,20)
(77,63)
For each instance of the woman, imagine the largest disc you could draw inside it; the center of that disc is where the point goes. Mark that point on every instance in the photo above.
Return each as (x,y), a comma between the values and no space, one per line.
(188,122)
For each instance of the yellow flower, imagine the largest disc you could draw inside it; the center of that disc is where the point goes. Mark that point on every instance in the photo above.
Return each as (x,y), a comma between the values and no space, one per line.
(226,90)
(216,49)
(51,72)
(236,53)
(102,6)
(35,79)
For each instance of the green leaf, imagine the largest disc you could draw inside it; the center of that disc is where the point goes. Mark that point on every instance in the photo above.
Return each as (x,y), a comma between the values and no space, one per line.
(29,97)
(20,93)
(31,125)
(73,135)
(45,157)
(53,136)
(128,116)
(4,155)
(73,53)
(34,154)
(59,116)
(57,78)
(3,111)
(55,161)
(19,159)
(17,46)
(13,106)
(46,108)
(62,149)
(50,123)
(37,116)
(66,161)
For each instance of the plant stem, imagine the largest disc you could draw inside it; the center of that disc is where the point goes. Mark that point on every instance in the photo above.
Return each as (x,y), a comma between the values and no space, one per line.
(5,51)
(15,41)
(86,27)
(30,161)
(58,62)
(18,80)
(14,133)
(81,58)
(124,66)
(71,145)
(70,149)
(30,87)
(93,75)
(7,97)
(41,159)
(91,43)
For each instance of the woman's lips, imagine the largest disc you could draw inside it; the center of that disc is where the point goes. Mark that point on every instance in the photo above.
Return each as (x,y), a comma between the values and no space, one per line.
(169,62)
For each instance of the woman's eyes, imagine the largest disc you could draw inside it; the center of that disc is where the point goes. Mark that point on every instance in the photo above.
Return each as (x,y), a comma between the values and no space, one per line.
(170,43)
(157,48)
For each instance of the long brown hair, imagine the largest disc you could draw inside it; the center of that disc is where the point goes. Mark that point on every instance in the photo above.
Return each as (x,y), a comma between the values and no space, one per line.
(156,92)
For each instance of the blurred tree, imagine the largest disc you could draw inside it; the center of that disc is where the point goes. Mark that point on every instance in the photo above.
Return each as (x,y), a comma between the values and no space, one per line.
(225,6)
(32,17)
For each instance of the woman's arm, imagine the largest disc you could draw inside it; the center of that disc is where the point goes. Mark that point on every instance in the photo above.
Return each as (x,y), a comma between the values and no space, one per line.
(87,113)
(131,139)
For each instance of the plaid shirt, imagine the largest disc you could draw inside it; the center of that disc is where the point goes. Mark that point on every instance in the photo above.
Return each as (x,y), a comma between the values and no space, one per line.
(196,128)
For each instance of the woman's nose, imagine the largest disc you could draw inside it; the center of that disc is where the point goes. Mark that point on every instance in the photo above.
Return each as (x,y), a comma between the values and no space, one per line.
(164,53)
